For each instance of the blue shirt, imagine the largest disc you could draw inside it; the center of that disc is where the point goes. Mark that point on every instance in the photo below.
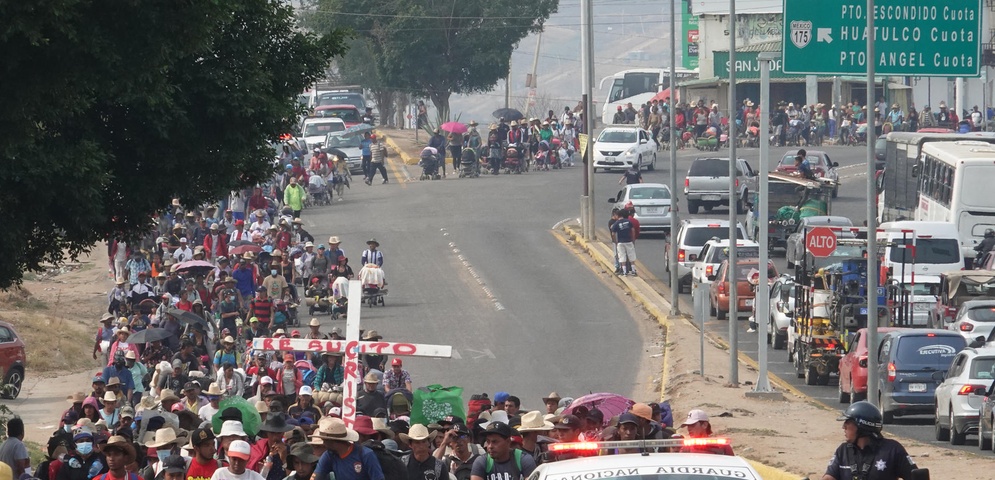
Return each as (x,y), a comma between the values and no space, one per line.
(365,144)
(623,230)
(124,375)
(243,281)
(360,464)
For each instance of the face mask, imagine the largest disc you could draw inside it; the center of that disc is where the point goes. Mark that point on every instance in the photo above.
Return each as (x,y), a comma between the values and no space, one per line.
(84,448)
(162,455)
(67,428)
(273,272)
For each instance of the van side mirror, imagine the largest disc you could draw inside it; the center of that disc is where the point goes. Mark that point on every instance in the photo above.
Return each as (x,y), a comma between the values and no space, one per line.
(916,169)
(611,200)
(835,164)
(643,141)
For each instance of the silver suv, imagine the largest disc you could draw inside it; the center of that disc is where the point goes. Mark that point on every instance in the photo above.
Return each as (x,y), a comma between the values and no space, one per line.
(692,234)
(707,184)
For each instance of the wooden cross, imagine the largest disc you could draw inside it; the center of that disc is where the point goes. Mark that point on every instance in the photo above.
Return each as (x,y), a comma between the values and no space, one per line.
(352,347)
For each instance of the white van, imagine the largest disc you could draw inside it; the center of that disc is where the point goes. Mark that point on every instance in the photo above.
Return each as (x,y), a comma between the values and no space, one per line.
(937,247)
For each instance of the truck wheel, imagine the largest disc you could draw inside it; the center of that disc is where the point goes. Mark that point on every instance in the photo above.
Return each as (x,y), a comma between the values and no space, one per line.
(811,376)
(780,341)
(941,434)
(823,379)
(719,314)
(692,207)
(956,438)
(844,396)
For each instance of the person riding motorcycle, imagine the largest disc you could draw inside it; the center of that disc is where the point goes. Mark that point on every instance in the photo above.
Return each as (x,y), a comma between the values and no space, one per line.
(984,247)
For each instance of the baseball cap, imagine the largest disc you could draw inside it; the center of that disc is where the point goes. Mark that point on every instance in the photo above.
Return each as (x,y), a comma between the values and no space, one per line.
(500,397)
(239,449)
(498,428)
(395,362)
(265,381)
(568,422)
(174,464)
(201,436)
(695,416)
(628,417)
(305,390)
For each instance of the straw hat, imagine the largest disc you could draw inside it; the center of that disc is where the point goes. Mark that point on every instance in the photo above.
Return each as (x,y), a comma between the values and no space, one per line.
(330,428)
(163,437)
(418,432)
(533,422)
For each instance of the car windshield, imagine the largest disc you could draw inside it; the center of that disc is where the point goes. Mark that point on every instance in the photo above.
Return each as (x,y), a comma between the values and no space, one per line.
(698,236)
(789,160)
(649,193)
(618,136)
(353,99)
(346,141)
(315,129)
(931,351)
(983,368)
(350,115)
(928,250)
(982,314)
(709,167)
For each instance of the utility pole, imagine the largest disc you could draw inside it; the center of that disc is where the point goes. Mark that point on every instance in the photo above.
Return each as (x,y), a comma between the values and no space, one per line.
(587,80)
(533,80)
(733,204)
(872,225)
(675,308)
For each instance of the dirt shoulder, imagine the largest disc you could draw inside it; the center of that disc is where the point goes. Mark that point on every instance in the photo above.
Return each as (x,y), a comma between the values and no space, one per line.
(56,314)
(793,433)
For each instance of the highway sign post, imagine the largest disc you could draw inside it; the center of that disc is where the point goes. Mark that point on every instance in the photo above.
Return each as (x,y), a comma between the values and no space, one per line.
(939,38)
(820,242)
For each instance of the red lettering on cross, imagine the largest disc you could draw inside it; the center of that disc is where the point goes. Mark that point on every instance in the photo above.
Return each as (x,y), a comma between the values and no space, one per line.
(268,344)
(285,344)
(351,369)
(314,345)
(350,349)
(349,411)
(376,346)
(405,349)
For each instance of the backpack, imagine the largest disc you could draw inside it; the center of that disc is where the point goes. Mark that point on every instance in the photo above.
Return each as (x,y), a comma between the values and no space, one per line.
(437,466)
(393,468)
(477,404)
(518,465)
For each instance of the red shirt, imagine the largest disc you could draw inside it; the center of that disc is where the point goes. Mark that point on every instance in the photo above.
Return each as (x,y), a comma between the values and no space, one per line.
(635,226)
(199,471)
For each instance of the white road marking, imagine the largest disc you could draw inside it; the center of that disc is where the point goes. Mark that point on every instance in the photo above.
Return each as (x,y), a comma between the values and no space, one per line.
(852,166)
(560,223)
(473,273)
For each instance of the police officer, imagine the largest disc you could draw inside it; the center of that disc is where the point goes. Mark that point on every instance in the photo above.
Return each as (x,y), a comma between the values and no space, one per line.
(866,455)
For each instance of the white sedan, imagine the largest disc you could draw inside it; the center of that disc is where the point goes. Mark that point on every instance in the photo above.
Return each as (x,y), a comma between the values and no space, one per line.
(622,146)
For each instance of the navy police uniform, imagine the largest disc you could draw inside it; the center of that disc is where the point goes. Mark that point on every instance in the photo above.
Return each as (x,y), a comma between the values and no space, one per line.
(882,459)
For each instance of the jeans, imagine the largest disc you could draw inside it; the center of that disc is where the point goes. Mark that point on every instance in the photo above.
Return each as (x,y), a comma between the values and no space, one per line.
(457,152)
(366,166)
(378,167)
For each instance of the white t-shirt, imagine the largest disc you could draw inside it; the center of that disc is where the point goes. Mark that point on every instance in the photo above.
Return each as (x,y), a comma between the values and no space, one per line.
(207,412)
(225,474)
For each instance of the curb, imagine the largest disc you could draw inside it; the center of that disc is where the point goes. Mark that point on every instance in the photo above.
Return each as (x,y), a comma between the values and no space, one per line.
(407,159)
(652,303)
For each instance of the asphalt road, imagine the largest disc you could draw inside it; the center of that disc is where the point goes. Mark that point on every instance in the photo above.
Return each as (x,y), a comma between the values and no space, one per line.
(472,263)
(850,203)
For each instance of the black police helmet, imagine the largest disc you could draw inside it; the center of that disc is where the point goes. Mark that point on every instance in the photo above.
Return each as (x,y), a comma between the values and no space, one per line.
(866,416)
(989,233)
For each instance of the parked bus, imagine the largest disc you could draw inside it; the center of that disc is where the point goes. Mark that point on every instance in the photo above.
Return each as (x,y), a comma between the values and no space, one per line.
(952,179)
(898,194)
(637,86)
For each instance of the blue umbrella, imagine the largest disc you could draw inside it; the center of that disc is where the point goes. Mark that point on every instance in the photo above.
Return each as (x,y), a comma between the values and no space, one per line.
(356,129)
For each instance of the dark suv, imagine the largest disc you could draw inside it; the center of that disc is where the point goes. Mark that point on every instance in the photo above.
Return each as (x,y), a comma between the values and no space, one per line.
(12,359)
(907,364)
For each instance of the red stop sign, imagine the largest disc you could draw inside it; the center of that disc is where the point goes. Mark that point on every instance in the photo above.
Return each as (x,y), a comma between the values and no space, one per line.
(821,241)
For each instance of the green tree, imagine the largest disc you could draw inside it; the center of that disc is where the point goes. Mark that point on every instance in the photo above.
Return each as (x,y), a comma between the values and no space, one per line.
(438,48)
(357,67)
(110,109)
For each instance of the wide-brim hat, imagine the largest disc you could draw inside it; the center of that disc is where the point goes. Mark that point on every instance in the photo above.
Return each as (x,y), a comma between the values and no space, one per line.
(373,241)
(331,428)
(372,335)
(302,452)
(117,441)
(167,395)
(553,396)
(380,425)
(276,424)
(213,390)
(473,123)
(163,437)
(334,240)
(418,432)
(533,422)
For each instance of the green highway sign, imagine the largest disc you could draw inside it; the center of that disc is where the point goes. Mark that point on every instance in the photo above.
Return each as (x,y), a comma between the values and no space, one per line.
(927,38)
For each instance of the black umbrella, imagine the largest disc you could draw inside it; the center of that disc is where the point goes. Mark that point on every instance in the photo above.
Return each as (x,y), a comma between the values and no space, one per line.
(336,152)
(508,114)
(239,243)
(186,317)
(150,335)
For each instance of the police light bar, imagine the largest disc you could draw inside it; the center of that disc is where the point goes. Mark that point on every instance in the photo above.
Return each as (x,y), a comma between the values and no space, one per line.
(624,444)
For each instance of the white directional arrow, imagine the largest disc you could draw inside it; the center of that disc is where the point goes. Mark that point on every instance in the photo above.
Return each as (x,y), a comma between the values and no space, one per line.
(824,35)
(478,354)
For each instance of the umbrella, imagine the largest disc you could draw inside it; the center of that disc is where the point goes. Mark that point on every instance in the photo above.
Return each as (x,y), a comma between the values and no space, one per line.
(250,417)
(149,416)
(336,152)
(238,243)
(356,129)
(150,335)
(243,249)
(610,404)
(196,267)
(508,114)
(453,127)
(661,96)
(186,317)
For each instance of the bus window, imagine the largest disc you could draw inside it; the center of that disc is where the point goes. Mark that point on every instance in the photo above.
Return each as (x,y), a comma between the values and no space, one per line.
(636,83)
(618,91)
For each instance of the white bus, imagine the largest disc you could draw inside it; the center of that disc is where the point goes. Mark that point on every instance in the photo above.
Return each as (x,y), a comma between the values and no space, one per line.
(953,181)
(637,86)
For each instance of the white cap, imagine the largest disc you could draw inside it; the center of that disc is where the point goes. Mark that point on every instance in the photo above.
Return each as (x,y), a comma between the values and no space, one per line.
(695,416)
(239,449)
(232,428)
(183,240)
(305,390)
(265,381)
(335,412)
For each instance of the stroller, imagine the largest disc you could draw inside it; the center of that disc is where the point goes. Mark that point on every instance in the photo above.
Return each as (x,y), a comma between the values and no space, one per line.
(317,191)
(374,284)
(794,135)
(543,156)
(468,166)
(512,161)
(430,164)
(708,141)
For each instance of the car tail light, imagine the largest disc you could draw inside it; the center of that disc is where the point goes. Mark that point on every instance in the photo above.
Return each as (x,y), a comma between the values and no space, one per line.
(681,255)
(709,270)
(687,182)
(771,230)
(862,362)
(722,288)
(930,334)
(737,183)
(969,389)
(891,372)
(951,311)
(966,327)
